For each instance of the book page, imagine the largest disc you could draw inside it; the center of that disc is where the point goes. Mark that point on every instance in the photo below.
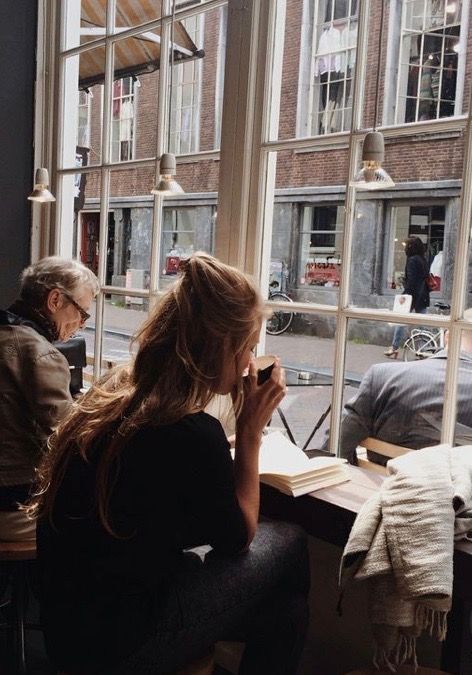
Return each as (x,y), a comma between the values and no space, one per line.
(279,456)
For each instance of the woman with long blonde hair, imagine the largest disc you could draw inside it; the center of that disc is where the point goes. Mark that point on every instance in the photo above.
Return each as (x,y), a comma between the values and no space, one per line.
(138,473)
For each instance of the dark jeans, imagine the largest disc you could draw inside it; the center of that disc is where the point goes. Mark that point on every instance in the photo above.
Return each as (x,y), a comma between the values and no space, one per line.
(258,597)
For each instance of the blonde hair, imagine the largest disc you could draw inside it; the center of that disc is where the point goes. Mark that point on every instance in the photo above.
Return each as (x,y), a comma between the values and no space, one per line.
(210,312)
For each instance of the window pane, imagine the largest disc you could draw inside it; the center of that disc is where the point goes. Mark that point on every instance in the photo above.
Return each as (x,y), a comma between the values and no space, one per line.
(84,21)
(130,14)
(424,206)
(318,66)
(306,350)
(400,400)
(81,111)
(130,231)
(134,103)
(308,224)
(429,61)
(186,229)
(197,85)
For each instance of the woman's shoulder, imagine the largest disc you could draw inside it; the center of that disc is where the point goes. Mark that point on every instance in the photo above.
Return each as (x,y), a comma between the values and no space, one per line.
(196,428)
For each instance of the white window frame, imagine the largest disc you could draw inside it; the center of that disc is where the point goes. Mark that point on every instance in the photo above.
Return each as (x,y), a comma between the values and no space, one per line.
(178,109)
(132,97)
(247,167)
(326,253)
(310,116)
(88,107)
(397,34)
(220,74)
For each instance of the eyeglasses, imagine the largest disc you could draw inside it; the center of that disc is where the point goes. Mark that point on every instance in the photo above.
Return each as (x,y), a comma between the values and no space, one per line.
(84,316)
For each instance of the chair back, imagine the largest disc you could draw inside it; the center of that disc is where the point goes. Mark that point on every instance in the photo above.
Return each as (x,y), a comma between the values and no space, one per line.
(386,450)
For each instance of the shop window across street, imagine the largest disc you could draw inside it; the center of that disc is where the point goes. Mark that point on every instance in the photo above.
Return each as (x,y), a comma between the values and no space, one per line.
(425,222)
(321,242)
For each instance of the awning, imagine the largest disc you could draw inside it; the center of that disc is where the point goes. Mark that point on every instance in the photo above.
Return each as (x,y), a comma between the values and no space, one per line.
(133,56)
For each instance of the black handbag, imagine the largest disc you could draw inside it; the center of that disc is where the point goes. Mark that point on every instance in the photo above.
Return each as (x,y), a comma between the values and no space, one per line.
(75,353)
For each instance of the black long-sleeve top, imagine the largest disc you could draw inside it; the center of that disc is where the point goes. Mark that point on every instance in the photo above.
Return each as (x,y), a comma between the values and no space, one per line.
(416,271)
(101,595)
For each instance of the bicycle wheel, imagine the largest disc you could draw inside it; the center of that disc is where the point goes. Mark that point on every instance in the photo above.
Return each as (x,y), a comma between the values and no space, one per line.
(420,345)
(280,320)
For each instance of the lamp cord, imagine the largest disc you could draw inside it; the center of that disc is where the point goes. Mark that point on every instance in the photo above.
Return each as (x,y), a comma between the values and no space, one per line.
(379,57)
(171,79)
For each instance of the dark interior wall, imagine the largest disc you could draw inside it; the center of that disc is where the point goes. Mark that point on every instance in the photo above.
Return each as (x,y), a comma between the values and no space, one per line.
(18,26)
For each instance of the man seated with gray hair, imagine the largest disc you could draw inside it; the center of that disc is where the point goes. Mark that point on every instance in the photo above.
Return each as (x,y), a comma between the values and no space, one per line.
(402,403)
(55,298)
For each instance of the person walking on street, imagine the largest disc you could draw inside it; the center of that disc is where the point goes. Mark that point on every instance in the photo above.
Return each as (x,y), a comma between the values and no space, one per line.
(416,273)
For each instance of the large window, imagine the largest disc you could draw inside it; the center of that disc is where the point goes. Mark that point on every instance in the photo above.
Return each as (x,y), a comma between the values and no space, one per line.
(282,183)
(184,124)
(429,58)
(123,120)
(332,53)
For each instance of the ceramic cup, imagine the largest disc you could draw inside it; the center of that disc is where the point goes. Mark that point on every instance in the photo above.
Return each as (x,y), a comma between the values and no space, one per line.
(264,365)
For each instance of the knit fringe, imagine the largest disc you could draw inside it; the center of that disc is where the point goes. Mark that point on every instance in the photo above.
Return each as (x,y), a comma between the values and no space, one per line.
(432,620)
(404,652)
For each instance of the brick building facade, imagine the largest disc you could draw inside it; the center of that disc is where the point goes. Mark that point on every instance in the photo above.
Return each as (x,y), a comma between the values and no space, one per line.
(310,186)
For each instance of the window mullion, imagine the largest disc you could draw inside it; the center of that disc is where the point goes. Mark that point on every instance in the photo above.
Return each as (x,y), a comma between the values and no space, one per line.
(459,290)
(350,203)
(161,136)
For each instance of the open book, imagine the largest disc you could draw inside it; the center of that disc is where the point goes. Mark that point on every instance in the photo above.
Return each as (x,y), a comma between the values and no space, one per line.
(285,467)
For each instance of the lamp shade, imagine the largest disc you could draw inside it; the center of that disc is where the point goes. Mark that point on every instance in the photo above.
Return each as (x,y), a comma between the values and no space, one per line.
(167,185)
(372,176)
(41,192)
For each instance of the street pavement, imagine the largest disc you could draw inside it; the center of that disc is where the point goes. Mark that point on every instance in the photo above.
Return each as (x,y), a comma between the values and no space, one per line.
(302,406)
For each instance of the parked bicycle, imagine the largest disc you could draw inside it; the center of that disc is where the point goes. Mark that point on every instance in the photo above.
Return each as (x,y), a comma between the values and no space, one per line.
(425,342)
(280,320)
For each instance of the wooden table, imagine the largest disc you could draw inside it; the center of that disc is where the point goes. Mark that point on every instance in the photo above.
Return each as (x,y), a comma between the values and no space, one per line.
(329,514)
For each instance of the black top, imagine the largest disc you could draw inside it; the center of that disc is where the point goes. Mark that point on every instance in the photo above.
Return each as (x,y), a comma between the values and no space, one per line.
(102,595)
(416,272)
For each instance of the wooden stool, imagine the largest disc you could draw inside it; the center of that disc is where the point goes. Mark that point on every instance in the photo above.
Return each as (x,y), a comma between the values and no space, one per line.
(14,557)
(403,670)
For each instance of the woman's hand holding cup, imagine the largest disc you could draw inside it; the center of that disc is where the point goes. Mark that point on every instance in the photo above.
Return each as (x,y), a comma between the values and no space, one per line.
(264,389)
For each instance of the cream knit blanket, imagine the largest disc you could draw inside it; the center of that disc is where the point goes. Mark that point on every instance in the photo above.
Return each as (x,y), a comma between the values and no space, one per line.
(403,542)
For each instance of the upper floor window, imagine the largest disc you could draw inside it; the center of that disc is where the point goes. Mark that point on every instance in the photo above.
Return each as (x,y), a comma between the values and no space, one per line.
(83,125)
(123,120)
(429,57)
(185,104)
(328,77)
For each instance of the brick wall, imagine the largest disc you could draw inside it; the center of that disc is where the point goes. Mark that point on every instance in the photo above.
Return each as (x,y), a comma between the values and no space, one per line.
(407,159)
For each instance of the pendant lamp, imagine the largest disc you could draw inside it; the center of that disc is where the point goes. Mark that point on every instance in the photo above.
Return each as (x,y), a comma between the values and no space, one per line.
(41,191)
(372,176)
(167,185)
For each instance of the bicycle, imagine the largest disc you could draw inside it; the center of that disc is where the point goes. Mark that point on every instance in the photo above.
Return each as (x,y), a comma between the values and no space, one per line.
(425,342)
(281,320)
